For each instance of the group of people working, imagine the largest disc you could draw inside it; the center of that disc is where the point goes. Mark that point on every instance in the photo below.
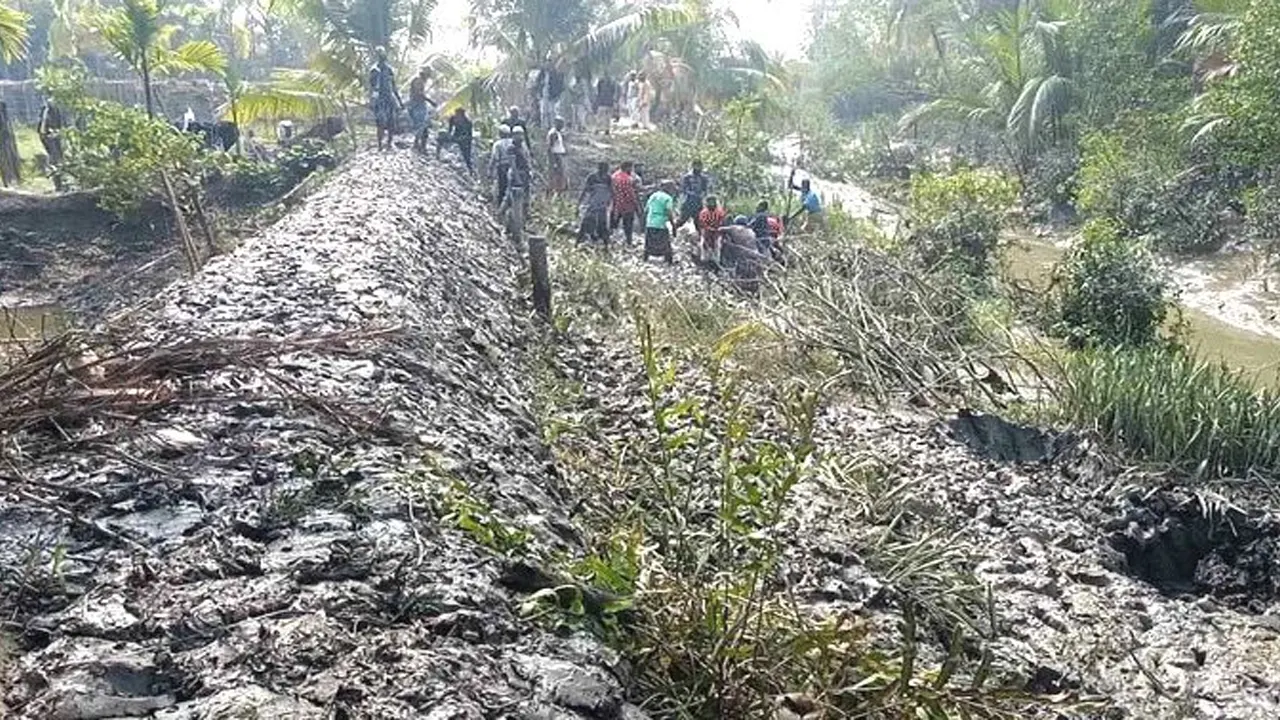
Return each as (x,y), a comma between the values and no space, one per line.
(385,101)
(612,200)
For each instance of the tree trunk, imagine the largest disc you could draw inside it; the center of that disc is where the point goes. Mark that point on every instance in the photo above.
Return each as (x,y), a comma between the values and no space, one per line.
(235,119)
(10,163)
(146,84)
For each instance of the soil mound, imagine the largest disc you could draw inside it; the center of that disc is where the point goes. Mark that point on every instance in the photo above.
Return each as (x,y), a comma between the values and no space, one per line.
(303,533)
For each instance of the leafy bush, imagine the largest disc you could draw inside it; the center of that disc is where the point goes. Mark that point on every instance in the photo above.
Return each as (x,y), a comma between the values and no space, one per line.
(1109,290)
(253,181)
(1054,181)
(1135,175)
(1168,406)
(119,150)
(735,152)
(957,219)
(1262,216)
(1239,114)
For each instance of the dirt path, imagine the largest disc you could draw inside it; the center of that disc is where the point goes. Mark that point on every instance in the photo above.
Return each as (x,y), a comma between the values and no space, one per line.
(281,539)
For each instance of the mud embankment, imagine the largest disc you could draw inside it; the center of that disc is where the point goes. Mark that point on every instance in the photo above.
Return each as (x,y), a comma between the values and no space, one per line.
(286,543)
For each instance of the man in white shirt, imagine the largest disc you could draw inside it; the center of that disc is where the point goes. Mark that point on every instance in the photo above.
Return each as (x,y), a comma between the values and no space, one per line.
(556,152)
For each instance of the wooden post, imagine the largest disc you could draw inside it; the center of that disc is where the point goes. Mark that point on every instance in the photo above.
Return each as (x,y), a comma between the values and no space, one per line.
(540,275)
(10,163)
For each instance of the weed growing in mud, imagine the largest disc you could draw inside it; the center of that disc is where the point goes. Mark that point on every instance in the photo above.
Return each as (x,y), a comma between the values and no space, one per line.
(689,560)
(475,517)
(1168,406)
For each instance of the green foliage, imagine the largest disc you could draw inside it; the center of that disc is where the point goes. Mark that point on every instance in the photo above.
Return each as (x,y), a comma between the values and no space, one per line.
(1109,290)
(1136,175)
(956,219)
(825,151)
(692,529)
(1240,112)
(475,517)
(121,151)
(139,35)
(13,34)
(1167,406)
(1262,215)
(734,149)
(253,181)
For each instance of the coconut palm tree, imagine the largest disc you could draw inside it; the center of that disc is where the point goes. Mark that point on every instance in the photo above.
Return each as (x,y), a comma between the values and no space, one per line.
(13,34)
(1019,69)
(526,42)
(139,35)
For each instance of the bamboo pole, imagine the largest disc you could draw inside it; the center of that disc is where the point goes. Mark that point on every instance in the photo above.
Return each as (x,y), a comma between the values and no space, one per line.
(184,233)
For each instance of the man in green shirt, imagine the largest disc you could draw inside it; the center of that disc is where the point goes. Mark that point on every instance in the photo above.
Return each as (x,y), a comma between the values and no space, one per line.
(659,215)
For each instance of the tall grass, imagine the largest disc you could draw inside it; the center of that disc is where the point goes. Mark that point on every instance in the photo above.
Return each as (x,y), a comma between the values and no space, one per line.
(689,524)
(1168,406)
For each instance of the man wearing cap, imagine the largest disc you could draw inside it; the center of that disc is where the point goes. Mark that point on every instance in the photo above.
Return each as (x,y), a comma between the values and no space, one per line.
(659,216)
(556,151)
(513,120)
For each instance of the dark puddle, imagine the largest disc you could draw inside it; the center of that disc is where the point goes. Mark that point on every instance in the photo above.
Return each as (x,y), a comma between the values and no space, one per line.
(995,438)
(1184,545)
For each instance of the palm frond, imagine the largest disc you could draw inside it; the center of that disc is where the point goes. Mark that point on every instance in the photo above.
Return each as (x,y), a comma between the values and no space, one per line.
(1203,126)
(418,21)
(602,41)
(13,34)
(973,109)
(1209,33)
(194,56)
(279,100)
(478,92)
(1052,97)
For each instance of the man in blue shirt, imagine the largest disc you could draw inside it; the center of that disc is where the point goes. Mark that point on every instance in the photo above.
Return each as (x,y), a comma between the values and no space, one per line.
(810,205)
(694,187)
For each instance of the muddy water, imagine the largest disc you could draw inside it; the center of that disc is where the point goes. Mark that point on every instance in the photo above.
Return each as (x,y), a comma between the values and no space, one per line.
(1230,308)
(1223,303)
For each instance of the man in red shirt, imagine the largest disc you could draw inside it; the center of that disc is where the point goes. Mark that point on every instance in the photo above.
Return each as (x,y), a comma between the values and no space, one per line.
(626,200)
(710,219)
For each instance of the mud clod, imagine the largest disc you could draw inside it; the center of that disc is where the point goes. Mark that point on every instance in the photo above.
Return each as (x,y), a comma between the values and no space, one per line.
(1185,546)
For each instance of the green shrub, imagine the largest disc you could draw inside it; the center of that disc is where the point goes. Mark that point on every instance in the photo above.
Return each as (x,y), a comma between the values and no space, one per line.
(1136,175)
(248,181)
(1262,216)
(1109,290)
(119,150)
(734,150)
(1168,406)
(957,219)
(1054,181)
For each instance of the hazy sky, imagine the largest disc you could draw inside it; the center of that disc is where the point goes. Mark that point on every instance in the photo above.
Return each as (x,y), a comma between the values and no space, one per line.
(781,26)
